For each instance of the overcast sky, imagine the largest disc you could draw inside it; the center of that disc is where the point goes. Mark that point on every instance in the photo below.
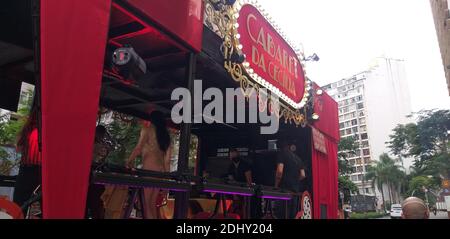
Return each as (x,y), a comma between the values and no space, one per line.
(348,34)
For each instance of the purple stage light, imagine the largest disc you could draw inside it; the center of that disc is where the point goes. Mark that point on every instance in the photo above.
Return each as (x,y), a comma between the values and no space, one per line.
(229,193)
(276,198)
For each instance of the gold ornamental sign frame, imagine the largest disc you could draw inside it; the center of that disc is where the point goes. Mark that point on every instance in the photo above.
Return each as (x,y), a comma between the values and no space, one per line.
(222,19)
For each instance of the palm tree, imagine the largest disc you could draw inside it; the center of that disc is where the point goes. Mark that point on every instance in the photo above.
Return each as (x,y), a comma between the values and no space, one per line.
(386,171)
(374,173)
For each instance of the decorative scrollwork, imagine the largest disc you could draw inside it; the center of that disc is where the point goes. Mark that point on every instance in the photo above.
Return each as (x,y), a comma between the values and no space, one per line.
(219,19)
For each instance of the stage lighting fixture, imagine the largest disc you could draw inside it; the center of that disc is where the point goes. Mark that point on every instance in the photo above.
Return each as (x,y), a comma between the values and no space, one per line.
(129,64)
(315,116)
(313,57)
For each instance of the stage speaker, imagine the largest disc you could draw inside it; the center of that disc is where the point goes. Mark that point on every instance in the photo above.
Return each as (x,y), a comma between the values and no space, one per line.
(9,94)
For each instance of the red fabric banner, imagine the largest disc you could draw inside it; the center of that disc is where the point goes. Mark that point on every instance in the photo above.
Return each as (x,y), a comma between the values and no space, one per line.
(327,109)
(325,180)
(73,40)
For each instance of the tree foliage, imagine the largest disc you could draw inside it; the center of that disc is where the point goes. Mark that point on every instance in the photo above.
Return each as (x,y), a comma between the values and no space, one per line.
(427,141)
(347,148)
(347,187)
(386,171)
(11,124)
(418,185)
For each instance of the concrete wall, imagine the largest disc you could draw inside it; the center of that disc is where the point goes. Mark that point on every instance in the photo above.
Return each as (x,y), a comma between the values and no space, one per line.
(440,9)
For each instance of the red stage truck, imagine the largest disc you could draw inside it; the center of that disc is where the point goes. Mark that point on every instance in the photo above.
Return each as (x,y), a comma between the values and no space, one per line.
(78,54)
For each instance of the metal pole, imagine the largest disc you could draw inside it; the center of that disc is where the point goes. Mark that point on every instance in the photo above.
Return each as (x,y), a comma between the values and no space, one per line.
(182,198)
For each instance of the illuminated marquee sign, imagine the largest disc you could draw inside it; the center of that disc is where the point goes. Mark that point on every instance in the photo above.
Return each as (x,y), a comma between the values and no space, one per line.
(257,55)
(269,57)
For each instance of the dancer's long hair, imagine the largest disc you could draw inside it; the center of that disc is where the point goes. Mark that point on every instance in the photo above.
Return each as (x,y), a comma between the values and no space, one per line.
(162,133)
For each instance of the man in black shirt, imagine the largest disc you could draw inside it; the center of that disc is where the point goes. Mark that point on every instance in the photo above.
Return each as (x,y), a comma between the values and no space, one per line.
(239,170)
(289,172)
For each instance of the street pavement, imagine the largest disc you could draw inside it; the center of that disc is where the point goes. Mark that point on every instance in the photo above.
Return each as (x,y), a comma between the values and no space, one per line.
(439,215)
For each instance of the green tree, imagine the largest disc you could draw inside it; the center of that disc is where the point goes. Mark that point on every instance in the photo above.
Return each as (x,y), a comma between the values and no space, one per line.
(418,185)
(11,124)
(347,148)
(386,172)
(427,141)
(347,187)
(125,132)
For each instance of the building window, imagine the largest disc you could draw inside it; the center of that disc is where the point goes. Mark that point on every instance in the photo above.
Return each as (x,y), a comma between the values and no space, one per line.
(354,122)
(341,132)
(355,129)
(341,125)
(367,160)
(359,161)
(352,162)
(354,178)
(362,121)
(360,176)
(365,144)
(363,128)
(360,106)
(364,136)
(348,131)
(366,152)
(361,113)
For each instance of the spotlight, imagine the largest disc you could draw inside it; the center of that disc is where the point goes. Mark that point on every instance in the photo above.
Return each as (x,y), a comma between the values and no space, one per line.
(315,116)
(313,57)
(129,63)
(319,92)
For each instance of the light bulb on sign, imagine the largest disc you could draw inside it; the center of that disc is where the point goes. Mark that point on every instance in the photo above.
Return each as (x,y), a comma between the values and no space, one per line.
(315,116)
